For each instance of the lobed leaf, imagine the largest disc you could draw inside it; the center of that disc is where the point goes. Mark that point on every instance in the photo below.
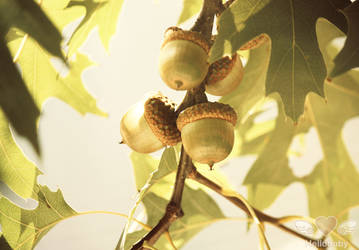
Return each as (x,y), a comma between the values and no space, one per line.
(43,81)
(15,100)
(327,186)
(296,66)
(100,14)
(23,229)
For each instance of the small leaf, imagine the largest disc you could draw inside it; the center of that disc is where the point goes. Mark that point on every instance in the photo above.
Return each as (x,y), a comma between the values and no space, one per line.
(190,8)
(22,228)
(101,14)
(348,57)
(296,65)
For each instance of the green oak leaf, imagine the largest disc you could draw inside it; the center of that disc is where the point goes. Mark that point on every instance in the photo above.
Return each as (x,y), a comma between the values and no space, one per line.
(15,100)
(270,174)
(43,81)
(16,171)
(155,193)
(190,8)
(23,229)
(296,65)
(348,57)
(101,14)
(331,179)
(327,186)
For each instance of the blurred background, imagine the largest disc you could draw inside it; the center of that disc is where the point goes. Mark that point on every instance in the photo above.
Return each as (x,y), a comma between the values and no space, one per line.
(82,156)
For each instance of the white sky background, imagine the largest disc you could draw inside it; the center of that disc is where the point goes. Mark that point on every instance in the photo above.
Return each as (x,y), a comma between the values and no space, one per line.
(82,157)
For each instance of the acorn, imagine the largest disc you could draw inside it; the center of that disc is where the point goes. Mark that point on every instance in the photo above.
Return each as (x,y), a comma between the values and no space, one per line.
(207,131)
(150,125)
(255,42)
(224,75)
(183,59)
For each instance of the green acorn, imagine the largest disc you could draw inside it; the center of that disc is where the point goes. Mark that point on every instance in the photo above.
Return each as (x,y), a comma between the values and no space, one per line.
(224,75)
(183,59)
(150,125)
(207,131)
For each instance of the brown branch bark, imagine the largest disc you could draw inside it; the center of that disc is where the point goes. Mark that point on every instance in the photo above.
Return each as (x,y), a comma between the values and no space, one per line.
(198,177)
(204,22)
(173,209)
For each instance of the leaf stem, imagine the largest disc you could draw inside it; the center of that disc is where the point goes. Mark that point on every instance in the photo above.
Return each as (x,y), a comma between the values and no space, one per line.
(198,177)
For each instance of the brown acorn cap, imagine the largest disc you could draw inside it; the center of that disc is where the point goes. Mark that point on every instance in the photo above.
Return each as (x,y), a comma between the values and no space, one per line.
(161,117)
(221,68)
(255,42)
(200,111)
(175,33)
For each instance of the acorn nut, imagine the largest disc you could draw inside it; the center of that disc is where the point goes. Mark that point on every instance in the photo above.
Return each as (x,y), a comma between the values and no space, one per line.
(183,59)
(207,131)
(224,75)
(150,125)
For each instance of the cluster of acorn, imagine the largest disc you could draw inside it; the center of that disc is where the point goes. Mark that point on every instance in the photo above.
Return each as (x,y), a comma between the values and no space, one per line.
(207,129)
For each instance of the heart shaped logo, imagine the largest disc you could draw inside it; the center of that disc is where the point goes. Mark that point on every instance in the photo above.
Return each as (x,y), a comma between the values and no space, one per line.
(326,224)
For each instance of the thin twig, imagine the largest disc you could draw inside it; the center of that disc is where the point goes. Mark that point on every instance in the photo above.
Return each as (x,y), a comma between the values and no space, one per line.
(198,177)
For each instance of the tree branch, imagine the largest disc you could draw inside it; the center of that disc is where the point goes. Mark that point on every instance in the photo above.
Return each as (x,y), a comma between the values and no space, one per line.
(204,25)
(173,209)
(198,177)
